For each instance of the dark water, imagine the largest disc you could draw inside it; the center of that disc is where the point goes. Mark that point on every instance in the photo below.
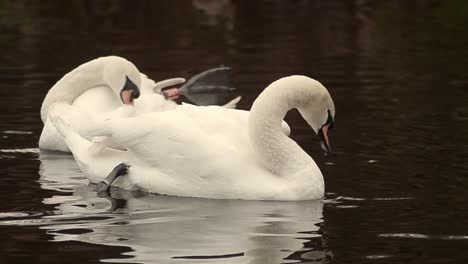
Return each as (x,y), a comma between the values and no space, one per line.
(396,183)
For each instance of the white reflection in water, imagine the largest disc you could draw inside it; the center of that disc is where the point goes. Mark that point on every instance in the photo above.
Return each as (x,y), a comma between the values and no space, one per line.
(163,229)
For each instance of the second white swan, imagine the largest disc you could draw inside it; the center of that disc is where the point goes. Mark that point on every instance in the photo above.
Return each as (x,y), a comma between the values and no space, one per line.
(213,152)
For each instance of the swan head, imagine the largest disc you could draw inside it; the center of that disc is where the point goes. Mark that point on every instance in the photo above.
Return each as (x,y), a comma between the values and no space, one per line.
(123,78)
(317,108)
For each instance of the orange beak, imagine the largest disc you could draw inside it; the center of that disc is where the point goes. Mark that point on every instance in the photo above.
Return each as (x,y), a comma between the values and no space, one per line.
(127,97)
(325,140)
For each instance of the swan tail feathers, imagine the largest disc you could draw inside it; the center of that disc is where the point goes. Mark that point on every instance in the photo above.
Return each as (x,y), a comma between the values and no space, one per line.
(75,142)
(233,103)
(78,120)
(62,127)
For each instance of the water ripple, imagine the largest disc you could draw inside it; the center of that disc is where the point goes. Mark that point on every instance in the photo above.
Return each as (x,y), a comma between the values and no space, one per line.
(23,150)
(423,236)
(233,255)
(17,132)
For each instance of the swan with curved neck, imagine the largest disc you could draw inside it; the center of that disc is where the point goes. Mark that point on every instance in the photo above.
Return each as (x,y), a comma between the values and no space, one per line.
(99,89)
(94,89)
(313,102)
(106,88)
(248,156)
(116,73)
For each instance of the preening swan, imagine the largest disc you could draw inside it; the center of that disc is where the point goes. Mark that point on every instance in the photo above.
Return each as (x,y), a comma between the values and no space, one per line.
(120,76)
(95,88)
(213,152)
(107,88)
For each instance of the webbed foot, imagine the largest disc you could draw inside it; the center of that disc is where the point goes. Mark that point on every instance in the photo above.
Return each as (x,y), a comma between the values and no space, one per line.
(104,185)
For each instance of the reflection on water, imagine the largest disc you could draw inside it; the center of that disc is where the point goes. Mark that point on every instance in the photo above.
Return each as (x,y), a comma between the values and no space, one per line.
(397,73)
(158,229)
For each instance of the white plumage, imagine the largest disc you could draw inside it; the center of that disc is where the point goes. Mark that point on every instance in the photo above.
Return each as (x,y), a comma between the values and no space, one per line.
(213,152)
(93,90)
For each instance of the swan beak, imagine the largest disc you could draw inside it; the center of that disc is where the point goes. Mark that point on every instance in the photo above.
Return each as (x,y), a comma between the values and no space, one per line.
(325,140)
(127,97)
(129,92)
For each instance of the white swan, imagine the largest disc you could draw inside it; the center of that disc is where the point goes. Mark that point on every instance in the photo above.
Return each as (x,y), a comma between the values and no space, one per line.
(214,152)
(95,90)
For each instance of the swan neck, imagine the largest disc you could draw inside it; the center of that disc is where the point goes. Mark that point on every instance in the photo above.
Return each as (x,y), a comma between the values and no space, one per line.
(73,84)
(275,150)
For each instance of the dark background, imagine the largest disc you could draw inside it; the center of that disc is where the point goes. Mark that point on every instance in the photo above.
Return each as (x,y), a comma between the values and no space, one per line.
(397,71)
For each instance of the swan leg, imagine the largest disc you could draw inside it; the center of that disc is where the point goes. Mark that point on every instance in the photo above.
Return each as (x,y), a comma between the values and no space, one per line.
(119,170)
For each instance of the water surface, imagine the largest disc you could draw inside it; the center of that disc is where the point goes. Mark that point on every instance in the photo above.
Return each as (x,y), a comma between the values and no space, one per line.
(396,183)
